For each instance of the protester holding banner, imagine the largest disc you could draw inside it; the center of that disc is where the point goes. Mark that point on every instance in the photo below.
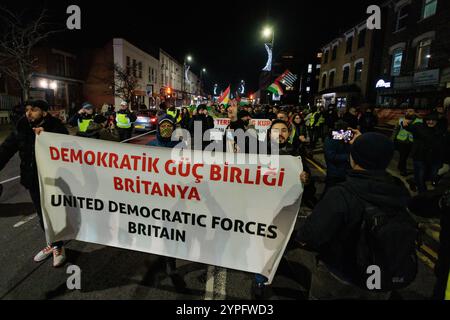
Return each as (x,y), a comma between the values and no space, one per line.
(166,126)
(278,139)
(22,140)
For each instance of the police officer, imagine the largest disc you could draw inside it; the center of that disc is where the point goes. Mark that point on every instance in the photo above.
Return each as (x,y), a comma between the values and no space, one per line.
(315,122)
(88,122)
(124,121)
(403,139)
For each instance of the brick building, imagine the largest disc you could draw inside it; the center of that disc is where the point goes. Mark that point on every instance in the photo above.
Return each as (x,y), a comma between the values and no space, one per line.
(99,73)
(415,68)
(346,74)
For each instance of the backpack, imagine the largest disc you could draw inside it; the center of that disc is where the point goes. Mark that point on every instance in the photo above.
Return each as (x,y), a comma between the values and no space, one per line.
(388,239)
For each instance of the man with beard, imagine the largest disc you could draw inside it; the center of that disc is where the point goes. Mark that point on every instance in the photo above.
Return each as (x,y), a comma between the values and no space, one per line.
(22,140)
(278,137)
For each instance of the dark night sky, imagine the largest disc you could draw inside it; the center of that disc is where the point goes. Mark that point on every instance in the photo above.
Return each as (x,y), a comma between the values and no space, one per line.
(222,36)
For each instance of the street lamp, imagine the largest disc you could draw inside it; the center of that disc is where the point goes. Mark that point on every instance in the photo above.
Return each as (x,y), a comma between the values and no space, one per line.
(203,71)
(268,34)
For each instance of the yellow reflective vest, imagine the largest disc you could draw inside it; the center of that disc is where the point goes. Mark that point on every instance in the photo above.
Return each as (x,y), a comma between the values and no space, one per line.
(319,121)
(403,134)
(123,121)
(84,124)
(447,291)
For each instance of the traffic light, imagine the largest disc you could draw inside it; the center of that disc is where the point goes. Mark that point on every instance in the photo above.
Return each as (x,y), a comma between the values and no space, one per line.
(168,91)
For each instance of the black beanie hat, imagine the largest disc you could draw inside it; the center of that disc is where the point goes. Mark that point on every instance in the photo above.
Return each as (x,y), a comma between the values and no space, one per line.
(372,151)
(41,104)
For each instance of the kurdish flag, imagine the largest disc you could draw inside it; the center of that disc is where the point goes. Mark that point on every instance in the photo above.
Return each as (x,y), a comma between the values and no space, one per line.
(225,97)
(275,88)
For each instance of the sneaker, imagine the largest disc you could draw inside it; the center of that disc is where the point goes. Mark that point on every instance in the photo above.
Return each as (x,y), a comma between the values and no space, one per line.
(59,256)
(43,254)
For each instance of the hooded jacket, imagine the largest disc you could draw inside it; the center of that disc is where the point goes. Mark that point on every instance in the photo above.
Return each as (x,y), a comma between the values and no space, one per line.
(22,140)
(333,228)
(160,141)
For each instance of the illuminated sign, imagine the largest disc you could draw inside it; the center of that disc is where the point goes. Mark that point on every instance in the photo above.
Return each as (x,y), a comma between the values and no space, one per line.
(382,84)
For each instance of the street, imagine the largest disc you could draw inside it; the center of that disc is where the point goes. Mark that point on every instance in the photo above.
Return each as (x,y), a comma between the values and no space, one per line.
(111,273)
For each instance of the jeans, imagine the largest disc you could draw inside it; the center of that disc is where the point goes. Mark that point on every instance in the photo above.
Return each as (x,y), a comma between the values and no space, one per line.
(424,171)
(36,198)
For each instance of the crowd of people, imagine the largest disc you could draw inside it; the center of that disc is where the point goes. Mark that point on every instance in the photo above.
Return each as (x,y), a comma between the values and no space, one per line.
(343,234)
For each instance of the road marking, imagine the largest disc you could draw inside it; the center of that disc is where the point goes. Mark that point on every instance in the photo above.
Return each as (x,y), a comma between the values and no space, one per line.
(22,222)
(316,166)
(216,283)
(144,134)
(433,234)
(9,180)
(429,251)
(425,260)
(209,294)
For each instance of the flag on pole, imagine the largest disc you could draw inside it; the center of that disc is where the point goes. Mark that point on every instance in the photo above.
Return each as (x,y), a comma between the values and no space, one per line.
(225,97)
(287,78)
(275,88)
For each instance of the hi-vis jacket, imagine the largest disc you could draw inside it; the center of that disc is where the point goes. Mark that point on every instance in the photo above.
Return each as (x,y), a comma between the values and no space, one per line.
(404,135)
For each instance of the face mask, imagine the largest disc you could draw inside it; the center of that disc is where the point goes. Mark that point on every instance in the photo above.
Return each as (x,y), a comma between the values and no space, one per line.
(166,132)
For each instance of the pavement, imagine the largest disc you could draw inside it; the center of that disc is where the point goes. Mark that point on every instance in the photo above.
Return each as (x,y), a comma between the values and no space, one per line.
(112,273)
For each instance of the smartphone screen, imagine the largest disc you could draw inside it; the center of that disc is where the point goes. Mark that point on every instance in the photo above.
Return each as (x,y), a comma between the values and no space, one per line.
(345,135)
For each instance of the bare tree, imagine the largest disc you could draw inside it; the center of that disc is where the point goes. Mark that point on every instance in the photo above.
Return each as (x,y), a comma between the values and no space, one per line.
(17,40)
(125,84)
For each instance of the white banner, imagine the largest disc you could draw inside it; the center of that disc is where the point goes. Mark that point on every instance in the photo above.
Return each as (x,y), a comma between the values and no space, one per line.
(261,127)
(138,198)
(220,125)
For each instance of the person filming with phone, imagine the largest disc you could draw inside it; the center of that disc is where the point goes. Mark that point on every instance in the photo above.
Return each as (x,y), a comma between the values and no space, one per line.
(337,154)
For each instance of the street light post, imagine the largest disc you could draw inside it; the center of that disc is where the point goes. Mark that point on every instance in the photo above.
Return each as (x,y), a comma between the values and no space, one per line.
(203,71)
(188,59)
